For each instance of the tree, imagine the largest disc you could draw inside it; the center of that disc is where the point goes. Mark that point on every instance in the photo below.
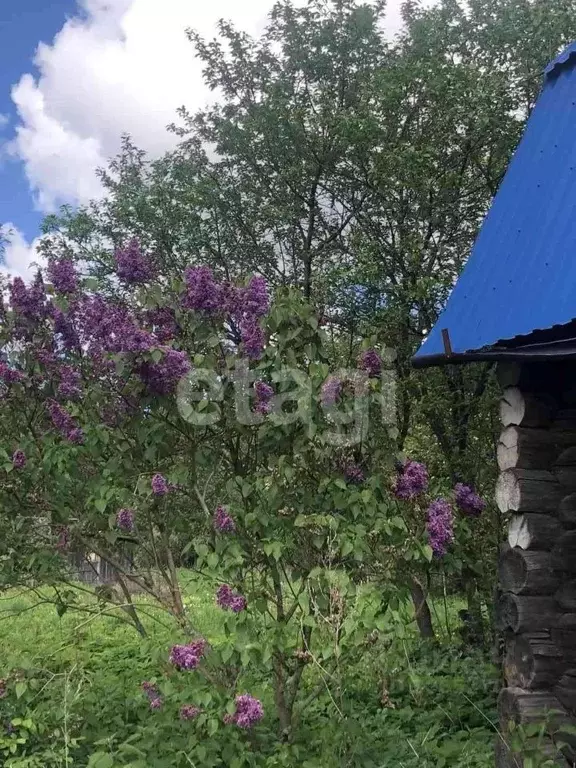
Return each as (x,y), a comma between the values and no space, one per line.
(113,443)
(354,168)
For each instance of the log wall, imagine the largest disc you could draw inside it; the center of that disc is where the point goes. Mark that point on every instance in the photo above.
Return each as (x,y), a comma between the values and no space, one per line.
(536,613)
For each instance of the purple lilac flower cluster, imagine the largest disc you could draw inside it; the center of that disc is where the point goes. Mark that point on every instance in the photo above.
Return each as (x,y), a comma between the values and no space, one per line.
(189,712)
(247,713)
(64,327)
(263,393)
(9,375)
(222,521)
(29,302)
(468,500)
(162,378)
(107,328)
(102,326)
(353,474)
(229,600)
(159,485)
(440,526)
(46,357)
(188,656)
(230,298)
(135,339)
(163,322)
(412,480)
(331,391)
(132,266)
(65,424)
(63,276)
(18,459)
(203,293)
(254,303)
(125,519)
(253,338)
(70,378)
(152,694)
(255,299)
(371,362)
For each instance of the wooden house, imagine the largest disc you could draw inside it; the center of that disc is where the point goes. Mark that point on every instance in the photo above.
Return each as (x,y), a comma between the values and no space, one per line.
(515,305)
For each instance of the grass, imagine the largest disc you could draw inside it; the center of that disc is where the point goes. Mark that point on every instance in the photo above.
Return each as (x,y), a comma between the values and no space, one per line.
(401,703)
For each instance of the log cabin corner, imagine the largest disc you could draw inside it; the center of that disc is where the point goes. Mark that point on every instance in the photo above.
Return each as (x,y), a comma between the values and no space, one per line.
(515,305)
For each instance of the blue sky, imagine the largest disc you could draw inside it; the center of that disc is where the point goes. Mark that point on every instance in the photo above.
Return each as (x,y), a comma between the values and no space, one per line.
(23,24)
(105,67)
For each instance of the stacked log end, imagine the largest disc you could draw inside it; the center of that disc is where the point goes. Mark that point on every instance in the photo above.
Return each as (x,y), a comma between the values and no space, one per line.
(536,491)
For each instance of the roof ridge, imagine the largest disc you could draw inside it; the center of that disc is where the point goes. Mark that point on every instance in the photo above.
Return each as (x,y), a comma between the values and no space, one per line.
(562,58)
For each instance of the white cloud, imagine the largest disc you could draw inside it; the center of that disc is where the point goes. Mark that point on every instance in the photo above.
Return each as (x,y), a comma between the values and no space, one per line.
(19,256)
(118,66)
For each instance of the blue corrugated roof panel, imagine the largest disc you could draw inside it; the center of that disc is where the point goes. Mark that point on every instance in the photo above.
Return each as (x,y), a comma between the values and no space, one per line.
(521,274)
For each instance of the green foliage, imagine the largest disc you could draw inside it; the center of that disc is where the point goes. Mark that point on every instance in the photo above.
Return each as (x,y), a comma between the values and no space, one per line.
(73,698)
(355,168)
(353,172)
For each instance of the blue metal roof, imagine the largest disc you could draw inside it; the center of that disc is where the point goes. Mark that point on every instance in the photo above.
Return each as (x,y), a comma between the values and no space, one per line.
(521,274)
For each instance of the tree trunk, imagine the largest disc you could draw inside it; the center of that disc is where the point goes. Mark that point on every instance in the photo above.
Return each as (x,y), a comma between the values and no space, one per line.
(283,709)
(474,606)
(422,611)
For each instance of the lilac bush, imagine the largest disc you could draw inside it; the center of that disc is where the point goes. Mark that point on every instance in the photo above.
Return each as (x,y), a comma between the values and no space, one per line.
(352,472)
(18,459)
(227,599)
(267,512)
(440,526)
(371,362)
(189,712)
(65,423)
(69,386)
(433,522)
(331,391)
(255,299)
(253,338)
(159,485)
(412,480)
(468,500)
(162,378)
(248,711)
(132,266)
(62,274)
(153,695)
(263,394)
(203,293)
(9,375)
(223,521)
(188,656)
(125,519)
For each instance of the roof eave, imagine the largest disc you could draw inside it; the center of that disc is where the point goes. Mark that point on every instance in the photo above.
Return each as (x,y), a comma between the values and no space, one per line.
(562,350)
